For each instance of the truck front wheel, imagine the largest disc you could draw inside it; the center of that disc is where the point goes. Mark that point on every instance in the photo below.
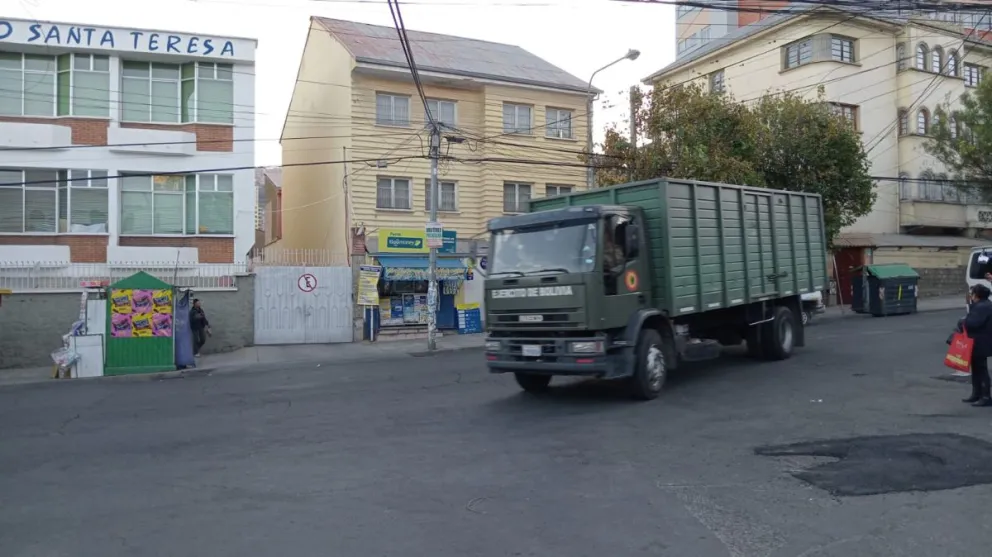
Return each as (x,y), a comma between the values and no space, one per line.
(779,334)
(532,383)
(650,370)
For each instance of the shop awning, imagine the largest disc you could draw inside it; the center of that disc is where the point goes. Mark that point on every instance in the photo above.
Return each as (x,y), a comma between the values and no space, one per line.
(418,268)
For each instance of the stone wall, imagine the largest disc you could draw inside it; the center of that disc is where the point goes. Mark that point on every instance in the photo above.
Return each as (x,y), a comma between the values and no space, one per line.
(943,282)
(32,325)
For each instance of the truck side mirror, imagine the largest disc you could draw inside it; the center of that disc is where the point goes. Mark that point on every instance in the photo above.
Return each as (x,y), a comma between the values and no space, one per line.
(631,241)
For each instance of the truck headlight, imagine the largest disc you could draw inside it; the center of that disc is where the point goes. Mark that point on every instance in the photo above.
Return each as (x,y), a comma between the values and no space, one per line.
(493,345)
(586,347)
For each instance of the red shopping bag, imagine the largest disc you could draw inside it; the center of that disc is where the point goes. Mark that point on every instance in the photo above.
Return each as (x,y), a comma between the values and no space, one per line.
(959,354)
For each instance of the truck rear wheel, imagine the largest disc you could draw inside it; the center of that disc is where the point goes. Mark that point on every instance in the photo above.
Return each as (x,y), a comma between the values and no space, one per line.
(532,383)
(779,335)
(650,369)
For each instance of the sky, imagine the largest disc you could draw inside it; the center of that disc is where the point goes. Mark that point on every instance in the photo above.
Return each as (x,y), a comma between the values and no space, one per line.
(578,36)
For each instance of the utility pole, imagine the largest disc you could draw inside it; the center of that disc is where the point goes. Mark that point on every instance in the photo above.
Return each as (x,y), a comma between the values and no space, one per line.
(632,165)
(432,294)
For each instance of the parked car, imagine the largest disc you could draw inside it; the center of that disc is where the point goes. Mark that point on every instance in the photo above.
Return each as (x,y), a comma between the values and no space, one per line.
(812,305)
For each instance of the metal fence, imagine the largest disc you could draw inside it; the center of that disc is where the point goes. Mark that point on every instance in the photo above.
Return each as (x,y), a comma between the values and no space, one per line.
(274,257)
(939,193)
(58,276)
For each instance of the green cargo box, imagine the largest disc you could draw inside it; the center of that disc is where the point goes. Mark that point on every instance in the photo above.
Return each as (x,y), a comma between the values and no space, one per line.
(719,245)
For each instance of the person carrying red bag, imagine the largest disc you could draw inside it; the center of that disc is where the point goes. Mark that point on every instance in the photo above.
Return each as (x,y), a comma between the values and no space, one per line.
(978,326)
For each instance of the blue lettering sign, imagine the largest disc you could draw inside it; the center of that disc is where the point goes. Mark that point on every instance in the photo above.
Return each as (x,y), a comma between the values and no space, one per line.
(141,41)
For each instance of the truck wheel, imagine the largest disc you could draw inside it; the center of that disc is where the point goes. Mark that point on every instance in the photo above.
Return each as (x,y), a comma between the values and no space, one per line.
(779,334)
(532,383)
(650,370)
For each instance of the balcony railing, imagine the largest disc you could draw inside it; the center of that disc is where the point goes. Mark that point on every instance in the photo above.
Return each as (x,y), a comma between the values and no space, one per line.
(938,192)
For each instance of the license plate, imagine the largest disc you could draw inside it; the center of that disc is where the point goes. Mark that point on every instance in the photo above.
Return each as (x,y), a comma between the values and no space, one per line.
(531,350)
(531,318)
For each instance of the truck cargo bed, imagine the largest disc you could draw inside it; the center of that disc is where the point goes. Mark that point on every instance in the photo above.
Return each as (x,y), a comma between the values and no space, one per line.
(719,245)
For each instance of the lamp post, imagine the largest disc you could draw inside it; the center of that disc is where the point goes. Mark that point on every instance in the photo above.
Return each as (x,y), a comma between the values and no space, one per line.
(632,54)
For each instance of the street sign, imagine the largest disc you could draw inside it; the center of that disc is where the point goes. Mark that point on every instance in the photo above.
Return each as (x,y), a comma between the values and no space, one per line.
(435,234)
(307,282)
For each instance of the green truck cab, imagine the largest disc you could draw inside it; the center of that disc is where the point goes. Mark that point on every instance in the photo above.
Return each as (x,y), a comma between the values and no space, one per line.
(629,281)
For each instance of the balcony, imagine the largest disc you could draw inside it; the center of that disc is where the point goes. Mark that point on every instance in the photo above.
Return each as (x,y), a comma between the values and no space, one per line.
(34,135)
(935,204)
(147,141)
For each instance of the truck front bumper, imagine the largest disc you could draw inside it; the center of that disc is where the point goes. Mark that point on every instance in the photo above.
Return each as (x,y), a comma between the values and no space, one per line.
(507,355)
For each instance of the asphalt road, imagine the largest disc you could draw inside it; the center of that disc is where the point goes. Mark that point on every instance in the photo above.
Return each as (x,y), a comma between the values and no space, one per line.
(431,457)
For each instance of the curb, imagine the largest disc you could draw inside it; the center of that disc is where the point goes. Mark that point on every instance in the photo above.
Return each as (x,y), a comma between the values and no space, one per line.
(831,315)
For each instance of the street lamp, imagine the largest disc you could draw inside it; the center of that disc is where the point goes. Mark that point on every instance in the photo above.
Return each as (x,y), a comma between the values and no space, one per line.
(632,54)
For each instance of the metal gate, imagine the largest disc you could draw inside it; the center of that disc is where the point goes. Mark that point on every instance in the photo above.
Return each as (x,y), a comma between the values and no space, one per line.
(303,305)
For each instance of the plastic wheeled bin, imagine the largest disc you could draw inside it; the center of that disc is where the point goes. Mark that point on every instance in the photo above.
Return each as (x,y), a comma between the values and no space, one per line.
(892,289)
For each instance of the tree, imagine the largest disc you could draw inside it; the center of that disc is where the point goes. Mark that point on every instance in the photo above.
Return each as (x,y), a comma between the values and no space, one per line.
(961,139)
(783,142)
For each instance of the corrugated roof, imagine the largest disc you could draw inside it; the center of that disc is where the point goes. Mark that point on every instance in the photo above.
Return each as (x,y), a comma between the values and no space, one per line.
(378,44)
(747,31)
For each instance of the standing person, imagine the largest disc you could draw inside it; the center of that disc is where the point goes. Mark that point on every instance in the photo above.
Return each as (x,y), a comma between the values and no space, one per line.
(978,325)
(199,325)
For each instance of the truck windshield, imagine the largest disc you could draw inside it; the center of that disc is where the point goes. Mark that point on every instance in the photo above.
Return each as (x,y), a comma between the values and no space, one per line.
(569,248)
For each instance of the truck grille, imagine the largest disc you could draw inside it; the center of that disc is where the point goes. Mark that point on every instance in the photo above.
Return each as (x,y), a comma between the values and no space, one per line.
(558,318)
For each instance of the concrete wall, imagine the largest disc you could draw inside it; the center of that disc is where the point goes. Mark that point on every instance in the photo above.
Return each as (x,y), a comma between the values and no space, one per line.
(32,325)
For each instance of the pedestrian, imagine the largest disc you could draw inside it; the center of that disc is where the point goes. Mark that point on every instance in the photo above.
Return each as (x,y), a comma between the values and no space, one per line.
(978,325)
(199,325)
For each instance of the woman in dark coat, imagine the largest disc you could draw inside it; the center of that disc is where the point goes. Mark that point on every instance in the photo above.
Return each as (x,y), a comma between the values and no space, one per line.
(978,324)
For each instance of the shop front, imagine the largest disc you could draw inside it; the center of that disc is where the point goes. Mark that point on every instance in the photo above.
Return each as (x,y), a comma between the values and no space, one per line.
(404,258)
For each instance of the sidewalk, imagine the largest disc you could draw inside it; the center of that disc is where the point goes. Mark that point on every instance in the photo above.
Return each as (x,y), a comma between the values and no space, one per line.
(258,358)
(939,303)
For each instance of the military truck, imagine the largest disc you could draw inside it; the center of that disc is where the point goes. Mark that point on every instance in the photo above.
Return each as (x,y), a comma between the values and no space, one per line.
(628,282)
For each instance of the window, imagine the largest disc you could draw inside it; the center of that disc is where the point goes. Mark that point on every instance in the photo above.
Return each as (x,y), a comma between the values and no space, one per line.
(903,122)
(901,56)
(922,121)
(922,54)
(83,201)
(392,193)
(846,111)
(797,54)
(937,60)
(516,118)
(443,112)
(559,123)
(515,197)
(952,63)
(28,84)
(972,75)
(213,90)
(449,199)
(905,188)
(952,127)
(177,204)
(392,110)
(717,84)
(552,190)
(84,85)
(842,49)
(28,201)
(704,34)
(680,46)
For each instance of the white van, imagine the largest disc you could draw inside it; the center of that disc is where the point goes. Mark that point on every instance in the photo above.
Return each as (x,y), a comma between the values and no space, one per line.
(979,265)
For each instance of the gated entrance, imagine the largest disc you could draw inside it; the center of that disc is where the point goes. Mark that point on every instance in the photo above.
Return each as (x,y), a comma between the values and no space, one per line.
(303,305)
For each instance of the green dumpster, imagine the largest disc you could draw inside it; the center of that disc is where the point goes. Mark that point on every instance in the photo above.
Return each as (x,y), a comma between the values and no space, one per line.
(892,289)
(140,326)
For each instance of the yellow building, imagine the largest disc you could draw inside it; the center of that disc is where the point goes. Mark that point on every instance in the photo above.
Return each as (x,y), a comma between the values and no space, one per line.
(354,100)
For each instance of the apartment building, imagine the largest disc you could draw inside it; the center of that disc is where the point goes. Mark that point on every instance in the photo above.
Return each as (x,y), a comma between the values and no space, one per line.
(124,145)
(696,26)
(355,100)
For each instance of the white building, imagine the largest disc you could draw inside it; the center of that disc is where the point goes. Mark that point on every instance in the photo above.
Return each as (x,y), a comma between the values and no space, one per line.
(125,145)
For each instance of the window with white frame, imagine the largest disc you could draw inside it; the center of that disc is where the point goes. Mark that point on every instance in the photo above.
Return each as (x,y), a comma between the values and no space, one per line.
(393,193)
(392,110)
(952,126)
(171,93)
(952,63)
(449,196)
(842,49)
(553,190)
(27,84)
(798,53)
(443,111)
(937,59)
(84,85)
(903,121)
(922,121)
(197,204)
(922,56)
(559,123)
(717,82)
(901,56)
(972,75)
(704,34)
(83,201)
(29,201)
(517,118)
(515,197)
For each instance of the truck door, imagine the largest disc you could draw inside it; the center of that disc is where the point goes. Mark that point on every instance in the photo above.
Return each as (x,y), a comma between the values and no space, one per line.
(622,273)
